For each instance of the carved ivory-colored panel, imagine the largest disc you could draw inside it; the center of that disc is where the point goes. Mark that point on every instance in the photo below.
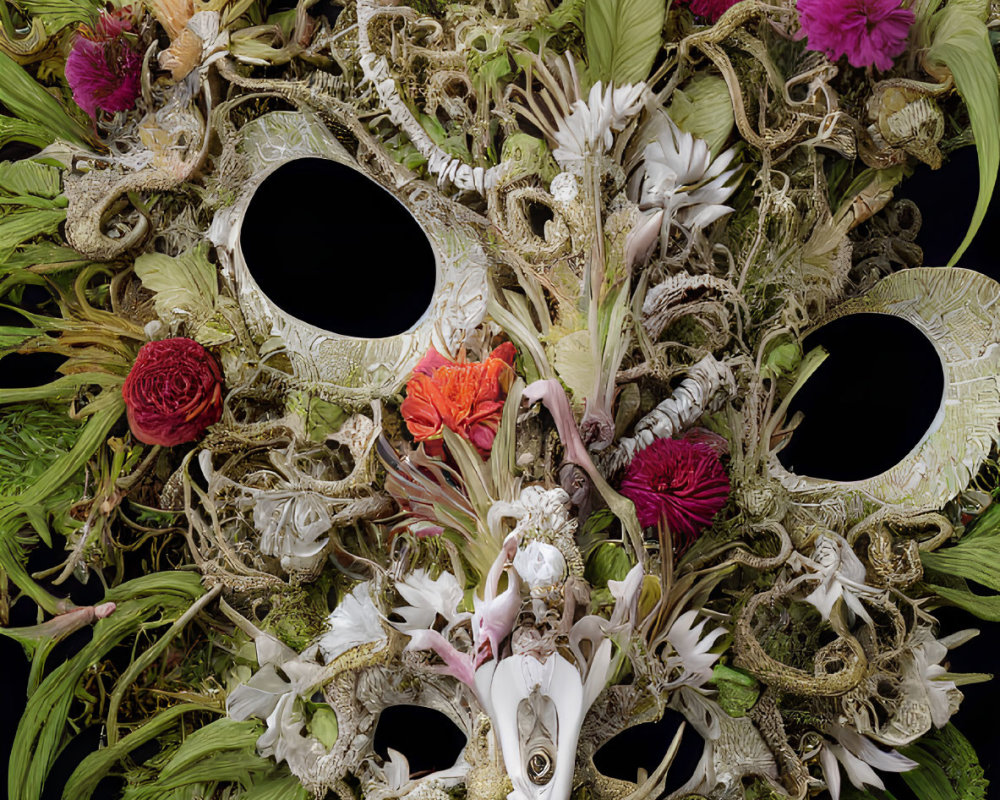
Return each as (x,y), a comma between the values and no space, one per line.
(359,369)
(959,311)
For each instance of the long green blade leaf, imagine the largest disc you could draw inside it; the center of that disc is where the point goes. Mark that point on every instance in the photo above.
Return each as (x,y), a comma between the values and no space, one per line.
(961,43)
(27,100)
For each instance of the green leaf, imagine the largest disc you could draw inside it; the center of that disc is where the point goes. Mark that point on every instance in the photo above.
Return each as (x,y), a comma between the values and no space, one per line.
(96,766)
(40,731)
(573,359)
(528,155)
(976,559)
(738,691)
(609,562)
(704,109)
(783,357)
(28,101)
(20,226)
(960,42)
(986,524)
(58,14)
(13,337)
(323,726)
(188,282)
(323,419)
(30,177)
(17,130)
(220,735)
(949,767)
(622,38)
(285,787)
(983,606)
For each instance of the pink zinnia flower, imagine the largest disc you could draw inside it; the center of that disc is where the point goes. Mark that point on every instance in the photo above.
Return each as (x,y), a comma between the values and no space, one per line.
(868,32)
(710,9)
(103,68)
(680,481)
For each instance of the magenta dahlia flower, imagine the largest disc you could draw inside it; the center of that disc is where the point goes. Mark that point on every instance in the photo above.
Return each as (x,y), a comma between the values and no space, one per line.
(103,68)
(710,9)
(679,481)
(868,32)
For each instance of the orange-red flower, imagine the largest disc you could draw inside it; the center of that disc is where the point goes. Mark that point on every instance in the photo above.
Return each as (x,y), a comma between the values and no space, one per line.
(466,397)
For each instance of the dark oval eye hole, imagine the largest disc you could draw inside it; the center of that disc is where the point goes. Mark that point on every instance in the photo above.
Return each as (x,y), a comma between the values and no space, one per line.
(644,746)
(331,247)
(428,738)
(870,403)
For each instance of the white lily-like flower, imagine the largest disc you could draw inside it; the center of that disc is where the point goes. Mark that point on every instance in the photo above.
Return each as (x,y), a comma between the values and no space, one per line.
(626,594)
(492,621)
(923,674)
(428,598)
(680,177)
(355,621)
(860,758)
(840,574)
(540,564)
(692,650)
(587,130)
(274,697)
(679,183)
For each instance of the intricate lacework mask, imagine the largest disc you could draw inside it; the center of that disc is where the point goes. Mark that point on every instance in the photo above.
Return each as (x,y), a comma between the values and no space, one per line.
(552,508)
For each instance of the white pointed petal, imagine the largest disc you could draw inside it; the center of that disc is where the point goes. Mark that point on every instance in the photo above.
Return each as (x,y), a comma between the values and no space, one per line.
(858,772)
(958,638)
(271,650)
(642,238)
(458,665)
(258,696)
(427,599)
(397,770)
(706,215)
(354,622)
(598,674)
(722,161)
(831,771)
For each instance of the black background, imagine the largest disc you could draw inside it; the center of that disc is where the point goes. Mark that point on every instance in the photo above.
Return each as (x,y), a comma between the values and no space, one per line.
(869,403)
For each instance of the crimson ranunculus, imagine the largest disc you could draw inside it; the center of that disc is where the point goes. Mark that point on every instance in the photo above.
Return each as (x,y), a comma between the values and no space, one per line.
(173,392)
(466,397)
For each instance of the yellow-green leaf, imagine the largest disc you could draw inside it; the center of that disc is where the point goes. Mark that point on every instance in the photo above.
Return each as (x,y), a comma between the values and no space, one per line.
(27,100)
(960,41)
(573,359)
(622,38)
(704,109)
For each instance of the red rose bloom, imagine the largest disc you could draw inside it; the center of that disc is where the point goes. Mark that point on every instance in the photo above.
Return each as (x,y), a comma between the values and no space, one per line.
(173,392)
(465,397)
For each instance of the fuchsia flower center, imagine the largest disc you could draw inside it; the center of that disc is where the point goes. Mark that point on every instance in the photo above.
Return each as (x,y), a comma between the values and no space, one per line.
(103,69)
(869,32)
(677,482)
